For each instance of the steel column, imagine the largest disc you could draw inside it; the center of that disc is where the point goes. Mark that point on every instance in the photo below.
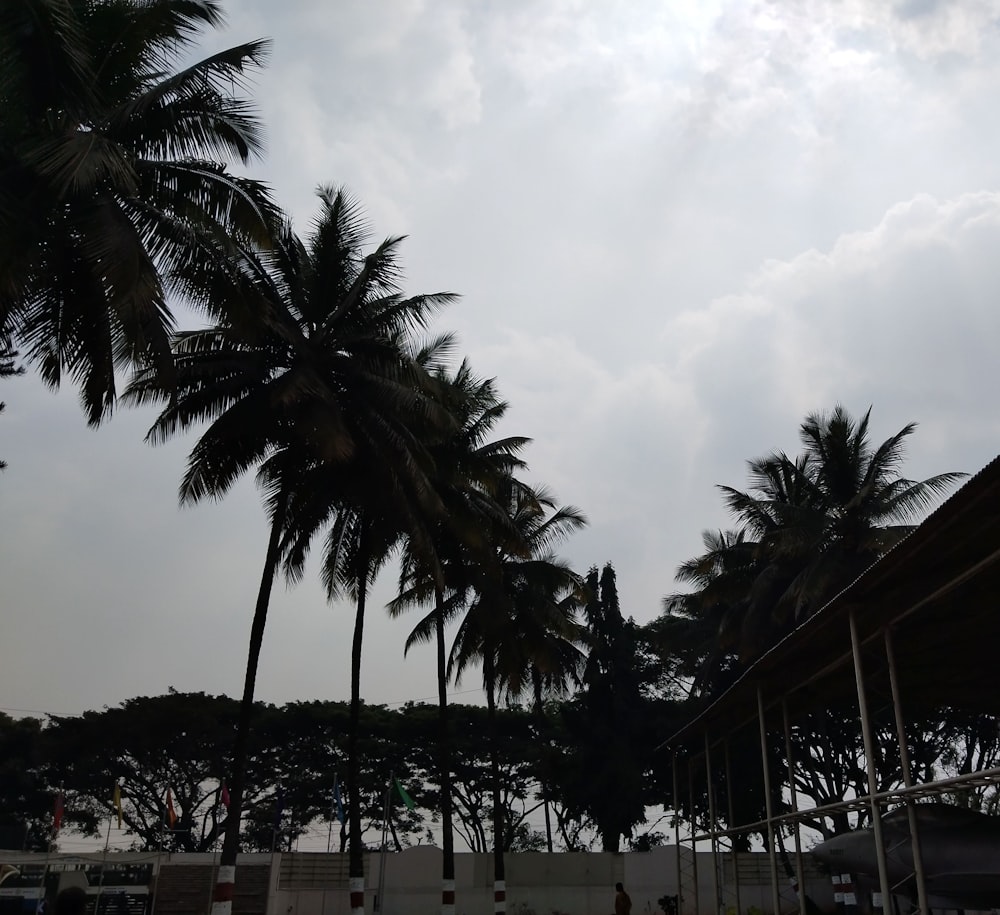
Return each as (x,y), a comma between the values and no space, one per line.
(904,761)
(869,744)
(775,892)
(694,830)
(732,825)
(799,870)
(716,884)
(678,807)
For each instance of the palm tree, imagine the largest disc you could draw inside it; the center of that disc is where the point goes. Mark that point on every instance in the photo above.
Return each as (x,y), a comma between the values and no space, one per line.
(468,469)
(307,380)
(112,178)
(808,526)
(551,640)
(369,505)
(523,578)
(8,369)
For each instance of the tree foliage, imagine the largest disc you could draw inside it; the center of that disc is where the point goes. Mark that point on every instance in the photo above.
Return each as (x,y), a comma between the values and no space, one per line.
(805,528)
(604,773)
(114,179)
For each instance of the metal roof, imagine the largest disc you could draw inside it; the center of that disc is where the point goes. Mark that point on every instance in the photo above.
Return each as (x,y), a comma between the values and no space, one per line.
(938,591)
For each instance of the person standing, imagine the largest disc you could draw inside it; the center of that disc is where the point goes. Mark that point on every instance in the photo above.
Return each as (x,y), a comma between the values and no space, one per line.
(623,902)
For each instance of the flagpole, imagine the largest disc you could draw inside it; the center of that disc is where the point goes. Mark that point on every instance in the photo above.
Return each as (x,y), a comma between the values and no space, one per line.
(333,813)
(45,873)
(385,829)
(104,862)
(56,823)
(156,880)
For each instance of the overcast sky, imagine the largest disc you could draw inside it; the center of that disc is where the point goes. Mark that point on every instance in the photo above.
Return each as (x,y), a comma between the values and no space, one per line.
(676,228)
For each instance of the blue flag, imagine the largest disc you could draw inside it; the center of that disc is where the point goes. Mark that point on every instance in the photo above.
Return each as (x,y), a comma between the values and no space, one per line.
(338,802)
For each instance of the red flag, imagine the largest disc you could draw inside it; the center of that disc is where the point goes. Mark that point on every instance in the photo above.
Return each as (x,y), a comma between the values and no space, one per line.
(57,814)
(171,816)
(225,795)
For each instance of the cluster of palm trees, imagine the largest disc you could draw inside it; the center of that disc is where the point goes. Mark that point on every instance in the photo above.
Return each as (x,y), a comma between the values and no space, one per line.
(806,528)
(314,369)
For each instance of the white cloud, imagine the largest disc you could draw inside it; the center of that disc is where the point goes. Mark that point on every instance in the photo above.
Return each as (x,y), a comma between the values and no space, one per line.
(901,316)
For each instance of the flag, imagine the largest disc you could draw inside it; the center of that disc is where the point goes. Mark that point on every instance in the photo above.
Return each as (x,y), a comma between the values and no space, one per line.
(57,813)
(171,815)
(117,801)
(338,803)
(406,798)
(224,796)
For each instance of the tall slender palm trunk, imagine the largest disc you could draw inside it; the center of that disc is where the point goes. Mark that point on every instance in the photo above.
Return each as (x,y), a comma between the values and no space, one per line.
(225,883)
(356,866)
(499,874)
(444,765)
(536,684)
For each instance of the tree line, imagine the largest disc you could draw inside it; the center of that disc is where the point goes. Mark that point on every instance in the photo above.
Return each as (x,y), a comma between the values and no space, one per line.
(371,439)
(548,759)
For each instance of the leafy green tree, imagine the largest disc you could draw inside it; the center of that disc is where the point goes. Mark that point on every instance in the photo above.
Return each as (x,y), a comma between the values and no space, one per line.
(472,781)
(610,730)
(177,741)
(26,799)
(182,741)
(112,180)
(305,745)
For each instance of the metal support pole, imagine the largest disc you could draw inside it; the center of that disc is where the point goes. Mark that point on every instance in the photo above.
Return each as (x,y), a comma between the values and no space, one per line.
(678,808)
(694,830)
(732,825)
(904,760)
(800,877)
(775,892)
(716,883)
(869,744)
(380,898)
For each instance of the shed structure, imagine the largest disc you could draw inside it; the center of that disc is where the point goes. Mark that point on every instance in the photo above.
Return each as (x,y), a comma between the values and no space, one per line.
(918,631)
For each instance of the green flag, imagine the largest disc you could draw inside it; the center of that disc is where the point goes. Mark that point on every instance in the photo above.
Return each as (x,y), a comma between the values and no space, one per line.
(406,798)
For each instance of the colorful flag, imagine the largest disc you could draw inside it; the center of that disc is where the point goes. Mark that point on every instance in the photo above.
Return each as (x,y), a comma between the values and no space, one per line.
(406,798)
(57,813)
(171,815)
(338,803)
(117,801)
(224,796)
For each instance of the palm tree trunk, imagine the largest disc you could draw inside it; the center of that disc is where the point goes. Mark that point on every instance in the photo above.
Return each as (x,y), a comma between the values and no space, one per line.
(536,683)
(444,763)
(222,898)
(356,867)
(499,877)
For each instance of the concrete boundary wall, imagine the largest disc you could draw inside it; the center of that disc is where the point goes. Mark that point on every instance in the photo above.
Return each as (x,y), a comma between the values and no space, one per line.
(563,883)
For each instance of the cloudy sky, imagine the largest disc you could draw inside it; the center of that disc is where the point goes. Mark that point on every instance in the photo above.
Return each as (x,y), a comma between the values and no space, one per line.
(676,228)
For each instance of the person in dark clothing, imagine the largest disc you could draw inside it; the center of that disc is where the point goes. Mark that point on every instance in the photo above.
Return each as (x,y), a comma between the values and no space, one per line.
(623,902)
(71,901)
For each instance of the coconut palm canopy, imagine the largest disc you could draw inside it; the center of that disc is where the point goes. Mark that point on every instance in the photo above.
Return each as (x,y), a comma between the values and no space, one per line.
(113,176)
